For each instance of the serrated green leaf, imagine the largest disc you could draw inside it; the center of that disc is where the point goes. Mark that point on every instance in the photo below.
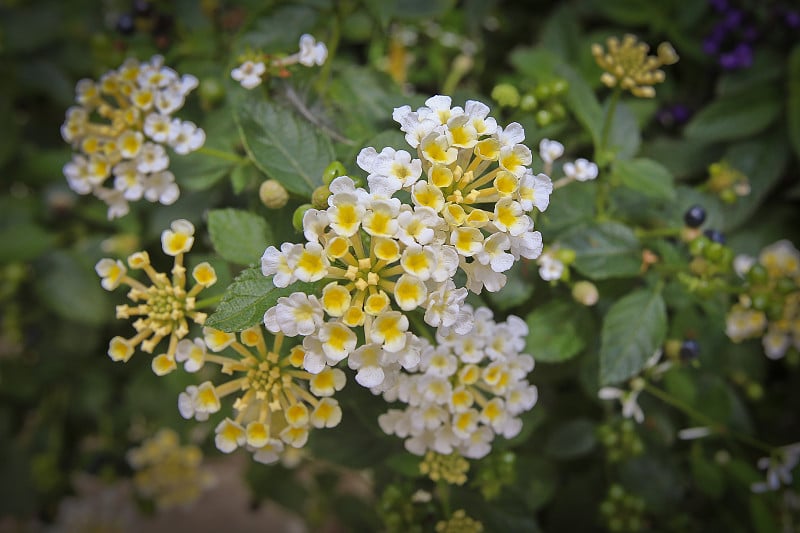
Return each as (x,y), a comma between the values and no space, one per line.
(280,30)
(283,146)
(572,439)
(793,99)
(248,298)
(199,171)
(633,329)
(239,236)
(604,250)
(736,116)
(645,176)
(558,331)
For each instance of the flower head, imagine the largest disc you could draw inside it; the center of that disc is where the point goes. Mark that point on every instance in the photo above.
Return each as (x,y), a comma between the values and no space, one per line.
(627,64)
(119,130)
(164,308)
(277,404)
(168,473)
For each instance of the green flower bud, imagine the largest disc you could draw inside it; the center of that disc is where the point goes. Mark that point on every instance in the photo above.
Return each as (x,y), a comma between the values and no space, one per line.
(211,92)
(543,91)
(714,252)
(528,102)
(333,171)
(273,194)
(754,391)
(698,245)
(319,198)
(544,117)
(565,255)
(299,213)
(585,293)
(559,111)
(559,86)
(506,95)
(757,275)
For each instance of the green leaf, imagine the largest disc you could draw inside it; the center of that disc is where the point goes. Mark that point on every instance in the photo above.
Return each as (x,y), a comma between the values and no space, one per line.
(239,236)
(248,298)
(283,146)
(573,439)
(762,516)
(516,291)
(645,176)
(624,137)
(633,329)
(69,287)
(569,207)
(736,116)
(559,330)
(23,241)
(537,63)
(707,476)
(583,103)
(604,250)
(199,171)
(279,31)
(405,464)
(793,99)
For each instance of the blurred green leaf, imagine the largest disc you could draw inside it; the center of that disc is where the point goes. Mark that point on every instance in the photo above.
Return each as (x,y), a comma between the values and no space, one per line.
(239,236)
(284,146)
(569,207)
(279,31)
(69,286)
(624,137)
(572,439)
(793,100)
(645,176)
(763,518)
(604,250)
(707,476)
(248,298)
(633,329)
(23,241)
(516,291)
(559,330)
(583,103)
(736,116)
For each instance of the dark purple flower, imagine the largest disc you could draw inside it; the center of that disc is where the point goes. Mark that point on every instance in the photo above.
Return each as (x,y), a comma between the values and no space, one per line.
(733,19)
(710,46)
(680,113)
(719,5)
(792,19)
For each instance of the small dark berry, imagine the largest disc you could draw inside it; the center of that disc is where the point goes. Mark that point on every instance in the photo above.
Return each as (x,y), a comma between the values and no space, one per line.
(695,216)
(715,236)
(126,25)
(690,349)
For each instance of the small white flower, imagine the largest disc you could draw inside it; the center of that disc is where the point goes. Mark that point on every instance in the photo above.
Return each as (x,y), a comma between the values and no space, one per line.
(549,150)
(249,73)
(311,52)
(581,170)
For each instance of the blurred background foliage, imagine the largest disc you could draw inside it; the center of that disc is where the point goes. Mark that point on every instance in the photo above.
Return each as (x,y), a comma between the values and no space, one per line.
(577,466)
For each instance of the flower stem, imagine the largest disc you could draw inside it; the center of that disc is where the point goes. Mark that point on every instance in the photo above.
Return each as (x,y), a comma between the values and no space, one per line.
(608,120)
(444,496)
(221,154)
(206,302)
(705,420)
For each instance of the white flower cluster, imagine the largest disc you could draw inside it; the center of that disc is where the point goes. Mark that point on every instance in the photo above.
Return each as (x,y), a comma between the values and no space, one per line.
(121,126)
(471,191)
(465,390)
(251,72)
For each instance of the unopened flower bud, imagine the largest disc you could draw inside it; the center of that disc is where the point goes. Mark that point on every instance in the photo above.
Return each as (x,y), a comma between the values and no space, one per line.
(299,213)
(273,194)
(333,171)
(506,95)
(585,292)
(319,198)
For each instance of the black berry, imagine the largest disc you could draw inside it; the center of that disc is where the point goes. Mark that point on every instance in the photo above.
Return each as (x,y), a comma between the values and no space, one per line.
(126,25)
(714,236)
(142,7)
(689,351)
(695,216)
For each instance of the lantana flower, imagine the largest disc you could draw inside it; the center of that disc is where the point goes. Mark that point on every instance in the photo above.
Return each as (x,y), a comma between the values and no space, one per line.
(165,307)
(277,403)
(120,129)
(627,64)
(467,389)
(169,474)
(377,259)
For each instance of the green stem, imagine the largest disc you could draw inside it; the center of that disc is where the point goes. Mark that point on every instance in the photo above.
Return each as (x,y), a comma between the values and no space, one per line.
(657,232)
(705,420)
(205,302)
(332,44)
(608,120)
(221,154)
(444,496)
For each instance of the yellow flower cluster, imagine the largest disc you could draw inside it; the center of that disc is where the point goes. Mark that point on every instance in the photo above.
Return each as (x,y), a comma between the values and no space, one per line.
(277,402)
(459,522)
(165,307)
(451,468)
(120,127)
(627,64)
(168,473)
